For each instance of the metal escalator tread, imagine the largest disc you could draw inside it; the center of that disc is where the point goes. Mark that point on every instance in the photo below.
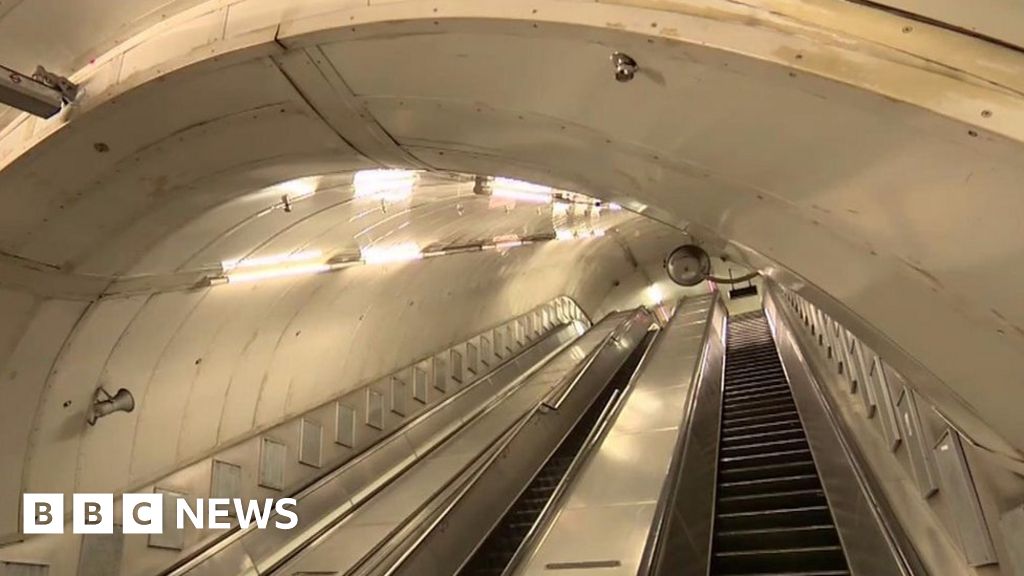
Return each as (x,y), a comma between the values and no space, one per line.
(771,514)
(499,547)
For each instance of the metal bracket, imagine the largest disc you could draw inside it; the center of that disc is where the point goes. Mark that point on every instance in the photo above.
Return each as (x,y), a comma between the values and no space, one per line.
(43,94)
(68,89)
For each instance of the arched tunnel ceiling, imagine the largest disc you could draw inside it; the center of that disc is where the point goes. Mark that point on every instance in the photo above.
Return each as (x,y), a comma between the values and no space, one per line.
(877,171)
(212,365)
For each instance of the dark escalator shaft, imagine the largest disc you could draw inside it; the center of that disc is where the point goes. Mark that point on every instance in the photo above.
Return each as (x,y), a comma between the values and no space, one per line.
(500,546)
(771,515)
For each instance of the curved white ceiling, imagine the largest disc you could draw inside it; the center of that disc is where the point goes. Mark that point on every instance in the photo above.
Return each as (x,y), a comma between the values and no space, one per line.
(876,170)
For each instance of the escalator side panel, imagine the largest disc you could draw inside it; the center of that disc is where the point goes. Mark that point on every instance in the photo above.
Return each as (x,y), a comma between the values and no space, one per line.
(683,548)
(443,551)
(341,546)
(869,548)
(529,514)
(609,513)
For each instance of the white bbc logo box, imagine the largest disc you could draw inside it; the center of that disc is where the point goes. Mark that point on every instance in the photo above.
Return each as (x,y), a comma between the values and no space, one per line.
(92,513)
(144,513)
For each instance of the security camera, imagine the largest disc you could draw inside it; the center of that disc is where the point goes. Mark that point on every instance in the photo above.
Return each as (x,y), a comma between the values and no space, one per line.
(625,66)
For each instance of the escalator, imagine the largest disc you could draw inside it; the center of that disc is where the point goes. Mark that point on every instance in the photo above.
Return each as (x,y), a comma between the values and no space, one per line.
(771,514)
(498,549)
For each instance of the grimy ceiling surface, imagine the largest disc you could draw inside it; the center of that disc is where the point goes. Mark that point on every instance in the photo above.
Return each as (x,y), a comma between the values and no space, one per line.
(872,162)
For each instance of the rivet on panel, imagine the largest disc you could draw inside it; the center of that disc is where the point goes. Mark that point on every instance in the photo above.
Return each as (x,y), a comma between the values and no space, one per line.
(986,113)
(101,147)
(908,29)
(972,133)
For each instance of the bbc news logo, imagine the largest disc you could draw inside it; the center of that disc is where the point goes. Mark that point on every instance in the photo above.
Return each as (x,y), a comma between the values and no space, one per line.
(144,513)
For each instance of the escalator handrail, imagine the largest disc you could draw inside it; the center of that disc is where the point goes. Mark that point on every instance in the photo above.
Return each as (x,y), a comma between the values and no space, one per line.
(561,391)
(610,409)
(594,438)
(371,562)
(441,509)
(653,547)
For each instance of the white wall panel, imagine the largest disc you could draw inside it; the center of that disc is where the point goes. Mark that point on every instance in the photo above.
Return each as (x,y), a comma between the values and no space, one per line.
(78,372)
(131,366)
(23,375)
(282,369)
(173,400)
(253,366)
(17,309)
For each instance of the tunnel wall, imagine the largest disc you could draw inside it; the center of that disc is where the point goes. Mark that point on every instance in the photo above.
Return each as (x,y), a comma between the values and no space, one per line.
(213,366)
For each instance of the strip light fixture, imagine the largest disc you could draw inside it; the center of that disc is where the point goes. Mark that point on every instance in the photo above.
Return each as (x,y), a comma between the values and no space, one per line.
(404,252)
(521,191)
(273,260)
(387,185)
(279,272)
(506,241)
(308,262)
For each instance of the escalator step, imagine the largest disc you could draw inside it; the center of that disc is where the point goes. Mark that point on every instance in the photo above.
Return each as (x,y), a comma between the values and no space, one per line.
(765,472)
(792,537)
(751,386)
(765,459)
(760,419)
(764,485)
(780,560)
(754,448)
(779,518)
(758,437)
(792,423)
(766,399)
(773,372)
(771,501)
(764,371)
(785,405)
